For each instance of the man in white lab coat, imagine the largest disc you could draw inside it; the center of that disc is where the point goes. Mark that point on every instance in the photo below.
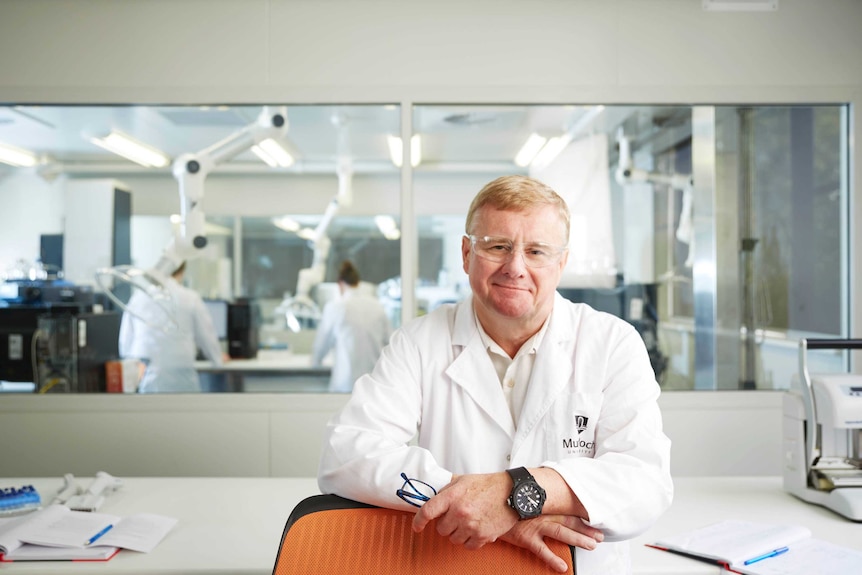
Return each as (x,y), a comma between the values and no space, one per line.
(532,416)
(168,345)
(356,326)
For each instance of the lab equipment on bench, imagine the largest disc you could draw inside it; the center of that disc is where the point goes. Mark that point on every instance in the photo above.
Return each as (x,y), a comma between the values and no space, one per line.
(93,497)
(70,351)
(17,500)
(243,325)
(823,434)
(64,342)
(66,492)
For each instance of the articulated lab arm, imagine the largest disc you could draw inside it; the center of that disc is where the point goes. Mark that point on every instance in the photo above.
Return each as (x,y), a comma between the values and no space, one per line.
(190,171)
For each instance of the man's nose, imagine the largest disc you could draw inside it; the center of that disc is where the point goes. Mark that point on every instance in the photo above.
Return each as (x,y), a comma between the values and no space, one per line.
(516,264)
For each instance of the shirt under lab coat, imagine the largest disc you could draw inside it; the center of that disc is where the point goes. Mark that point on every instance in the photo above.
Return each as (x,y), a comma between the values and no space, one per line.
(590,413)
(356,327)
(169,349)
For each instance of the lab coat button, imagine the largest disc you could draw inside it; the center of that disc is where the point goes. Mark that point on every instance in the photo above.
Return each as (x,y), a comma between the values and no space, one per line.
(508,458)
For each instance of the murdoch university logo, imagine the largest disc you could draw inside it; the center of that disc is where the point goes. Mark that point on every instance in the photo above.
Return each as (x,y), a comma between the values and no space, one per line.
(577,446)
(581,421)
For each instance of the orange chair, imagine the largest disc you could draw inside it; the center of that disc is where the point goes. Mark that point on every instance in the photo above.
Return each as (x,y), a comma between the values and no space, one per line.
(330,535)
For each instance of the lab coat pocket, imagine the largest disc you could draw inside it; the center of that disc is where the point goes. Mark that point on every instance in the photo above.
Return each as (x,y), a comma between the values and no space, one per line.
(571,425)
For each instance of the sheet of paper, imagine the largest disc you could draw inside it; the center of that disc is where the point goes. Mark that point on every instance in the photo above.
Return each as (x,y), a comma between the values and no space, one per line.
(141,532)
(57,526)
(9,527)
(735,541)
(810,557)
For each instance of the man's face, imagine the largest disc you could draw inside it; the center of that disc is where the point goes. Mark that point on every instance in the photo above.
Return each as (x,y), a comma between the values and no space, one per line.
(511,289)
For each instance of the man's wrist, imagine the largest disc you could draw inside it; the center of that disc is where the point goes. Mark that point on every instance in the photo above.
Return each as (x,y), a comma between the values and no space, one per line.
(527,497)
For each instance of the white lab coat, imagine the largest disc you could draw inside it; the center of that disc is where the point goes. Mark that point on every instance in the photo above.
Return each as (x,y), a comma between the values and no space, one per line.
(590,413)
(356,326)
(169,353)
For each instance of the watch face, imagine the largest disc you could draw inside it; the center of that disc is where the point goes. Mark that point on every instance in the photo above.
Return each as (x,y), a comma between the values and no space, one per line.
(528,499)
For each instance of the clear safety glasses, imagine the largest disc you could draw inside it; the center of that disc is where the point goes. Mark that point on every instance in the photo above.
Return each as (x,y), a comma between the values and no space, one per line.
(501,250)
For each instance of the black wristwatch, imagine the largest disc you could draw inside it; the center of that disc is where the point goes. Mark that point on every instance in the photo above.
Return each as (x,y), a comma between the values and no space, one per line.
(527,497)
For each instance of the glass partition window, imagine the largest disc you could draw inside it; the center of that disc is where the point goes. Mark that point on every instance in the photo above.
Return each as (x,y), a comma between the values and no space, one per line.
(768,214)
(282,194)
(719,232)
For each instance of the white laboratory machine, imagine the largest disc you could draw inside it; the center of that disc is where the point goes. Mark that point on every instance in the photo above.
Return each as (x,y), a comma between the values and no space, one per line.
(823,434)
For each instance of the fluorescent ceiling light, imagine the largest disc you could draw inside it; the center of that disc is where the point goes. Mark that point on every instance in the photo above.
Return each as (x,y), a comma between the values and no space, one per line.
(396,150)
(286,223)
(132,149)
(17,157)
(388,227)
(529,150)
(538,151)
(550,151)
(273,153)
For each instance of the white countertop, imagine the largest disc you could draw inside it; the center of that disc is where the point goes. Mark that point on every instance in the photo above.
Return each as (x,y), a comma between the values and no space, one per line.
(234,525)
(226,525)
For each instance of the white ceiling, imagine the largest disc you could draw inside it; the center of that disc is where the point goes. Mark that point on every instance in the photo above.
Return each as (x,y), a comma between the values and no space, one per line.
(456,137)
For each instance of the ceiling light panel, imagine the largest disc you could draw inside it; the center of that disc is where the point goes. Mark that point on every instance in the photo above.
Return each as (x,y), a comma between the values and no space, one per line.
(132,149)
(17,157)
(529,150)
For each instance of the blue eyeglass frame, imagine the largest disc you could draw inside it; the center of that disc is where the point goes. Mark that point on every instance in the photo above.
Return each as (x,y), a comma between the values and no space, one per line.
(415,494)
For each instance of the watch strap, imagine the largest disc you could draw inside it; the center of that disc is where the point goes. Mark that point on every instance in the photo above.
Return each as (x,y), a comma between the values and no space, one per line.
(519,474)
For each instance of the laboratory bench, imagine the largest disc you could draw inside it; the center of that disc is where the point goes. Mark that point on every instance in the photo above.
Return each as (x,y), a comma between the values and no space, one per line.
(271,371)
(234,525)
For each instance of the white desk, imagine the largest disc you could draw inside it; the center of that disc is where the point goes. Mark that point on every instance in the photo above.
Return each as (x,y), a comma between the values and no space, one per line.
(701,501)
(226,525)
(229,525)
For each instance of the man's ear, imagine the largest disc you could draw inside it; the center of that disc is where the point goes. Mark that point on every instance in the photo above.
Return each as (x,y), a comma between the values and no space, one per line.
(465,253)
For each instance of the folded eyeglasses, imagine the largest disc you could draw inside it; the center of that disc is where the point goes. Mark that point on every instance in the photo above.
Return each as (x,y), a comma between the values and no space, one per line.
(415,492)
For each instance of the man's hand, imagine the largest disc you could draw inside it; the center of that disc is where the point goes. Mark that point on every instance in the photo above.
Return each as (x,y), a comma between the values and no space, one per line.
(530,534)
(471,510)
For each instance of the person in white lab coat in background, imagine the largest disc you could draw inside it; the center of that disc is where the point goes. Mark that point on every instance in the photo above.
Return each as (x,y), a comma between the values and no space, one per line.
(355,326)
(168,348)
(529,415)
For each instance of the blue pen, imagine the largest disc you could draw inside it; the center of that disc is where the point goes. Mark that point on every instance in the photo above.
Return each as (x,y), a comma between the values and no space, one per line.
(767,555)
(99,534)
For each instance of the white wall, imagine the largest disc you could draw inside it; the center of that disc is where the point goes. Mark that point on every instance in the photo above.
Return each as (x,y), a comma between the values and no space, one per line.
(88,229)
(25,200)
(495,50)
(281,435)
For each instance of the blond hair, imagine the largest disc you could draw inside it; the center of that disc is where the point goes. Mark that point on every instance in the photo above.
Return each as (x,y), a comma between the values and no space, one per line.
(517,193)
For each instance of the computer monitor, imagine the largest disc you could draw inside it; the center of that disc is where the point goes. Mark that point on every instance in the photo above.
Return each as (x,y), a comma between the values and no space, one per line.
(217,309)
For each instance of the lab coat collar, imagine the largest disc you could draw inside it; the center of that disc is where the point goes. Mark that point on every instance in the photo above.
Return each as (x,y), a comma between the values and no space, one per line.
(472,368)
(552,369)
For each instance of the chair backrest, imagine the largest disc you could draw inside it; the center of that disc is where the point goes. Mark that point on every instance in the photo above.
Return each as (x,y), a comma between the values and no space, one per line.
(330,535)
